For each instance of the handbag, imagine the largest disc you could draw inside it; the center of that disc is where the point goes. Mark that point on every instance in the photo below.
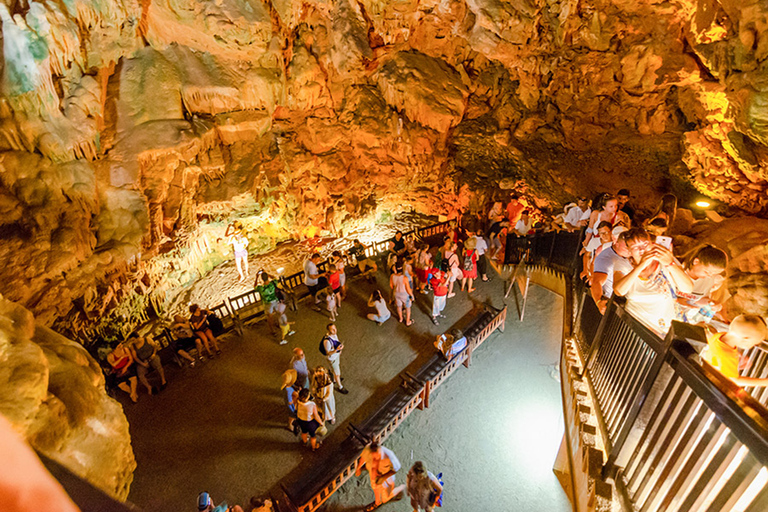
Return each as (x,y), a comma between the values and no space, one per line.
(322,430)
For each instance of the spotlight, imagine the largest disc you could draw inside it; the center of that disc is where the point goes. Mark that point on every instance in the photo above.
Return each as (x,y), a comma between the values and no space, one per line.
(280,271)
(703,204)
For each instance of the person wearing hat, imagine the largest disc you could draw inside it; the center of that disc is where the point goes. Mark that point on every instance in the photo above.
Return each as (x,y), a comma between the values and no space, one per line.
(469,264)
(290,394)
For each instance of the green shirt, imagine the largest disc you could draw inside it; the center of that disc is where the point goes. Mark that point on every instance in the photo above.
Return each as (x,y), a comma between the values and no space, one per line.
(268,292)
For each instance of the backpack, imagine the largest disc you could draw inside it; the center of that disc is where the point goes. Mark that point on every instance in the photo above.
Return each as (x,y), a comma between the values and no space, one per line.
(468,265)
(322,345)
(215,323)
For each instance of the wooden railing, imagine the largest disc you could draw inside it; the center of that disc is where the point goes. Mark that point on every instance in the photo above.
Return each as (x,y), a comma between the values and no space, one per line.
(414,393)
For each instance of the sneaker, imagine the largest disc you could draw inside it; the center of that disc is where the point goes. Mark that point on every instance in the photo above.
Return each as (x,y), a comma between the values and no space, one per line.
(343,391)
(442,315)
(451,295)
(434,320)
(192,364)
(291,333)
(283,342)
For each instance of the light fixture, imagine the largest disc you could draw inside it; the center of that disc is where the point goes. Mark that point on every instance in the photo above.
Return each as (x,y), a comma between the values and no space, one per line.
(703,204)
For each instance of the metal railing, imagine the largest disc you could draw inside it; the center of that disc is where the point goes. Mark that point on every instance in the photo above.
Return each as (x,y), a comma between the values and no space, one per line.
(677,435)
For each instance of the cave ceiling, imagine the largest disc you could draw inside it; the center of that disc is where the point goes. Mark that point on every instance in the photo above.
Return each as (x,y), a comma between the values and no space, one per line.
(126,124)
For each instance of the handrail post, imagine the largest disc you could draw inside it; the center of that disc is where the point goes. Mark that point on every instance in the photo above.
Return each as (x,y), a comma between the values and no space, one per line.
(609,312)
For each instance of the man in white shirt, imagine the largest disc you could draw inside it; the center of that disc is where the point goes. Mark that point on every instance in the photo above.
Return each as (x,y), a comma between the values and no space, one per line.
(382,464)
(333,348)
(578,216)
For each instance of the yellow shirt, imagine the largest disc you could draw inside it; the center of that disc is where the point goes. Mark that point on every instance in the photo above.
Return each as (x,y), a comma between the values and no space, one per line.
(722,356)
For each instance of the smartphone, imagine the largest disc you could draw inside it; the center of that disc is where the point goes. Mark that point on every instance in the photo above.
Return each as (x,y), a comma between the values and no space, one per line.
(664,241)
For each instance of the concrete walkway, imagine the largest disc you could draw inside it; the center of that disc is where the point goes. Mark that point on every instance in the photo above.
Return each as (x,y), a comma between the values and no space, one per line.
(493,429)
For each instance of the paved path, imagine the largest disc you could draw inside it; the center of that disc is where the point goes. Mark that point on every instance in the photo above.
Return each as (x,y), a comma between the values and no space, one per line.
(493,429)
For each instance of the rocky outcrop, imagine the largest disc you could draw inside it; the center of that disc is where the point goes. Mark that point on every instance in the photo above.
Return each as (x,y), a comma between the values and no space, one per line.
(52,392)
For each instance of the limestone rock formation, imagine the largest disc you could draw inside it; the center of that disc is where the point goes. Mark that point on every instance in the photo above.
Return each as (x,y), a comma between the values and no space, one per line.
(52,392)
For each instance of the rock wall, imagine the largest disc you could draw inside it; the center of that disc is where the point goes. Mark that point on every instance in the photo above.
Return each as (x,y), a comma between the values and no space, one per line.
(132,130)
(53,394)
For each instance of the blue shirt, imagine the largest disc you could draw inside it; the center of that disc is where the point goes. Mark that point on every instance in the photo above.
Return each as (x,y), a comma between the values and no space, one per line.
(302,373)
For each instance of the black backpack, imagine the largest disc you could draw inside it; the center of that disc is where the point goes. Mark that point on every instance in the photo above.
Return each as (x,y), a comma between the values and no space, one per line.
(215,323)
(322,345)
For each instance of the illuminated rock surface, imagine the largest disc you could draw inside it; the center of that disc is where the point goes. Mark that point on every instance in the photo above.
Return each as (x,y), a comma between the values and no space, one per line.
(53,394)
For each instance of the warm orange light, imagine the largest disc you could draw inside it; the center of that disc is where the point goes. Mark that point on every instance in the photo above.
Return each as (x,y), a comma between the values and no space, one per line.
(703,204)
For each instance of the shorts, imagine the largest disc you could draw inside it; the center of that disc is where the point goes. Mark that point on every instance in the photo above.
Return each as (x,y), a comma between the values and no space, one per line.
(129,374)
(342,279)
(285,329)
(335,366)
(313,289)
(271,307)
(186,344)
(454,274)
(241,254)
(337,290)
(308,427)
(402,300)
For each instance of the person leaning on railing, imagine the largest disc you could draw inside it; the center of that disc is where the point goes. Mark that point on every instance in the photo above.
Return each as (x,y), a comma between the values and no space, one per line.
(650,287)
(722,351)
(613,263)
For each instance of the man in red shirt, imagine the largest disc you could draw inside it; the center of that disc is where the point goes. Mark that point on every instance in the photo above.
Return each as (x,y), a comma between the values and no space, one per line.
(438,282)
(514,209)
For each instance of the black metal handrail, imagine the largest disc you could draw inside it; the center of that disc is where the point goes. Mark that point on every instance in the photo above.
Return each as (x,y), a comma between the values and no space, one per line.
(677,433)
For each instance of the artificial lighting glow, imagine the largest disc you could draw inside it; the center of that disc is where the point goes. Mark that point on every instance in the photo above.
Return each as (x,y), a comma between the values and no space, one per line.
(280,271)
(703,204)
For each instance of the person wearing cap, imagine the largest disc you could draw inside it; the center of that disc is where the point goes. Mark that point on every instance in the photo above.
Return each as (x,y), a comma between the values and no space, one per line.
(205,504)
(290,394)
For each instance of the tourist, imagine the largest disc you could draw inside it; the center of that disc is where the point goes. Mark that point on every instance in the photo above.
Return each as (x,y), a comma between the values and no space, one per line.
(331,349)
(397,243)
(410,244)
(382,465)
(605,210)
(299,364)
(578,216)
(622,196)
(651,285)
(366,265)
(338,260)
(514,209)
(199,322)
(144,352)
(267,290)
(205,504)
(376,300)
(322,391)
(312,279)
(705,266)
(308,418)
(494,233)
(290,394)
(496,213)
(595,247)
(239,242)
(185,339)
(285,325)
(261,505)
(469,264)
(331,304)
(424,488)
(723,348)
(614,263)
(392,261)
(423,262)
(402,293)
(666,210)
(334,281)
(122,362)
(524,224)
(408,271)
(454,270)
(481,246)
(438,282)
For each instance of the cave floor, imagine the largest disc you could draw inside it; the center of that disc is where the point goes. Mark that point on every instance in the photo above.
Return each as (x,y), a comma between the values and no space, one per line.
(494,429)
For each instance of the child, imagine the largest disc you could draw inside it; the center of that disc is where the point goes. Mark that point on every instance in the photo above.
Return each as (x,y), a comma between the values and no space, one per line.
(285,325)
(722,349)
(437,281)
(330,303)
